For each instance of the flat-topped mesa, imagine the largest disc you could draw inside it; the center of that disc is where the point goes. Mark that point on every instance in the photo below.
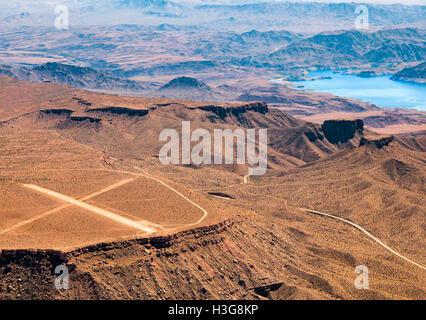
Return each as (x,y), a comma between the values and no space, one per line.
(342,130)
(224,111)
(376,141)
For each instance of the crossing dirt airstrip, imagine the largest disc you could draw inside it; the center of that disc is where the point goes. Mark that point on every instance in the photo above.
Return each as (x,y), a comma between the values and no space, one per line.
(67,206)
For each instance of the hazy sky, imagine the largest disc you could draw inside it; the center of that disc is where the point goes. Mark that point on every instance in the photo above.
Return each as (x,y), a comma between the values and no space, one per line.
(374,1)
(365,1)
(338,1)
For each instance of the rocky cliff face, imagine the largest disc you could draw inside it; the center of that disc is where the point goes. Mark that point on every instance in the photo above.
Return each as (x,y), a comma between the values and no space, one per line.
(189,257)
(341,131)
(223,112)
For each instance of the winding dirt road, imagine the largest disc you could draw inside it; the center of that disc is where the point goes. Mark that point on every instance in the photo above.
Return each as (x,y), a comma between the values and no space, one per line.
(365,232)
(205,213)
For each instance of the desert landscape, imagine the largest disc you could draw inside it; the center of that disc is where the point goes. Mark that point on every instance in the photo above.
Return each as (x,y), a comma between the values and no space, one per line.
(201,218)
(83,185)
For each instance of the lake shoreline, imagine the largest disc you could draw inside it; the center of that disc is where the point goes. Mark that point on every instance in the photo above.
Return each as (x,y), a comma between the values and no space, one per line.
(378,90)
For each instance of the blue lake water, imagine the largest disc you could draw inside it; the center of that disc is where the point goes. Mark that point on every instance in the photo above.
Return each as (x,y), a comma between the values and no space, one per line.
(381,91)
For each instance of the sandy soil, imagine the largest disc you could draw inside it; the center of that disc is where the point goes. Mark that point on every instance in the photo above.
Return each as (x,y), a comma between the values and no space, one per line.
(61,182)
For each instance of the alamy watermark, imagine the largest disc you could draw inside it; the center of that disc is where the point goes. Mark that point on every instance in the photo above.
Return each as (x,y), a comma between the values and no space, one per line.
(62,280)
(362,20)
(362,281)
(178,149)
(62,21)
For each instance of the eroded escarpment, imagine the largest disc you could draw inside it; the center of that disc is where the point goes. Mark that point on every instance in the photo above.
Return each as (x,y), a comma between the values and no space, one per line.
(376,141)
(84,118)
(211,262)
(224,111)
(239,260)
(57,111)
(31,274)
(121,110)
(163,241)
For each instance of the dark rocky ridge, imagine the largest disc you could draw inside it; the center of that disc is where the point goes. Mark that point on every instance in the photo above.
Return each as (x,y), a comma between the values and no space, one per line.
(223,112)
(121,110)
(378,142)
(57,111)
(84,118)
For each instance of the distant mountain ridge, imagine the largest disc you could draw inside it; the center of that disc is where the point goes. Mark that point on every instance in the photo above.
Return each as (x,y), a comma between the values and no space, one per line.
(242,17)
(344,49)
(74,76)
